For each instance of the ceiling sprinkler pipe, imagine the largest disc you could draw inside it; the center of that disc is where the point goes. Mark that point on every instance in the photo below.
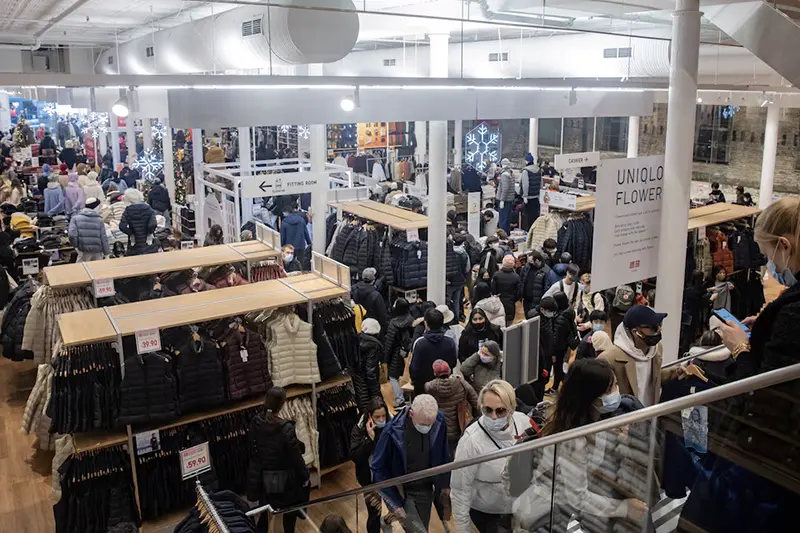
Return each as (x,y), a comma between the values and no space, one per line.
(19,46)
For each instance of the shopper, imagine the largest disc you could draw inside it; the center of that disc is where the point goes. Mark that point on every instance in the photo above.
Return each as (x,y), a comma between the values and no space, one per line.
(17,192)
(506,285)
(451,328)
(483,366)
(117,205)
(419,323)
(478,330)
(455,285)
(215,154)
(74,199)
(215,236)
(106,172)
(492,306)
(489,219)
(505,194)
(637,355)
(87,233)
(414,440)
(118,182)
(370,356)
(365,294)
(138,223)
(748,200)
(294,231)
(159,200)
(131,175)
(559,270)
(68,155)
(456,398)
(720,292)
(53,197)
(549,249)
(716,195)
(47,143)
(531,185)
(91,188)
(565,337)
(548,310)
(479,493)
(568,285)
(363,438)
(277,474)
(397,346)
(433,345)
(290,262)
(44,178)
(533,280)
(588,393)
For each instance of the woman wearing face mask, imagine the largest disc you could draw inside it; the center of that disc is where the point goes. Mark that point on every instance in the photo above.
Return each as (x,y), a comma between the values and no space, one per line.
(565,337)
(548,309)
(721,290)
(589,393)
(482,298)
(477,492)
(588,302)
(478,330)
(483,366)
(363,438)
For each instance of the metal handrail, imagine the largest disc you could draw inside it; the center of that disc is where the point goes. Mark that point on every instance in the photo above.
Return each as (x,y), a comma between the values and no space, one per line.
(742,386)
(689,357)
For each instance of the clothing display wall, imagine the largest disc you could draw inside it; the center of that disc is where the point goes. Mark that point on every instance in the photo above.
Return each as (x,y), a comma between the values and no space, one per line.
(576,237)
(337,414)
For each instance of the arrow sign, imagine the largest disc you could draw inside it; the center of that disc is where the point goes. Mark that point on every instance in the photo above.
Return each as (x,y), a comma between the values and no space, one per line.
(286,183)
(264,187)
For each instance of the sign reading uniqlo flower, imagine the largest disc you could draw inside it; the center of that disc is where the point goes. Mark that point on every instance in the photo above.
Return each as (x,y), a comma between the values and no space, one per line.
(148,340)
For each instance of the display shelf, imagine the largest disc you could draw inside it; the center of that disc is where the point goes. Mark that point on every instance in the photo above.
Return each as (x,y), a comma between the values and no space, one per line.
(99,325)
(86,442)
(82,274)
(711,215)
(388,215)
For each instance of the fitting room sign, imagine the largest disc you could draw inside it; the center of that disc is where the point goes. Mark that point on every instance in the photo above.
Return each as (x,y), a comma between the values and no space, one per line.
(627,220)
(280,184)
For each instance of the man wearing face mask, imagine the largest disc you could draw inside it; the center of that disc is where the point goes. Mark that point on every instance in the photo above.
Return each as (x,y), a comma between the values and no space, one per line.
(414,440)
(637,354)
(290,262)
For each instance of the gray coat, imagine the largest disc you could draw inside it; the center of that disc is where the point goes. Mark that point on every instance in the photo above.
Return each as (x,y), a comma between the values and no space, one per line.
(505,187)
(87,232)
(480,374)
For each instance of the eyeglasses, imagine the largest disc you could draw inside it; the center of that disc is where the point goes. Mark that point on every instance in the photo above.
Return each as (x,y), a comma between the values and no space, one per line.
(500,411)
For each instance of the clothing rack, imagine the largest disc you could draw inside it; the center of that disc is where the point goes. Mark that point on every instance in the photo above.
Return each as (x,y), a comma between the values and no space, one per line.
(208,511)
(394,217)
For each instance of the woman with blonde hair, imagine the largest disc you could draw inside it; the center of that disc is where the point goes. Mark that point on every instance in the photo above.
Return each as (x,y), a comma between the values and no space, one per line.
(478,493)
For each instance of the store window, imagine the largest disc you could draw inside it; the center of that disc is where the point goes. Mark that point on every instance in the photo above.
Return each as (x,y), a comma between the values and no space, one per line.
(578,135)
(149,51)
(714,125)
(612,134)
(550,132)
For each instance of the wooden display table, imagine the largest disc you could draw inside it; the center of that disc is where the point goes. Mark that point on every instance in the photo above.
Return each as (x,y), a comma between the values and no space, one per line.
(388,215)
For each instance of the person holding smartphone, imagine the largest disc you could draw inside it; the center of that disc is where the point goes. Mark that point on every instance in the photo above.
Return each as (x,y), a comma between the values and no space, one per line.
(363,438)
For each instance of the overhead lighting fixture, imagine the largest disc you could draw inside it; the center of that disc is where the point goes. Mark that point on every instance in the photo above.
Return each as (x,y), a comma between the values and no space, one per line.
(764,100)
(573,97)
(120,107)
(349,103)
(699,100)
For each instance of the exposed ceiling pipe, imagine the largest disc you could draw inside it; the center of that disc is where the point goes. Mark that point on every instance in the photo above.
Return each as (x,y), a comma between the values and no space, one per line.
(19,46)
(58,18)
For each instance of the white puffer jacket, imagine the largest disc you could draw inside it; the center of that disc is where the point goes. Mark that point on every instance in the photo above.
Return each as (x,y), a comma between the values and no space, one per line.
(300,411)
(543,228)
(293,355)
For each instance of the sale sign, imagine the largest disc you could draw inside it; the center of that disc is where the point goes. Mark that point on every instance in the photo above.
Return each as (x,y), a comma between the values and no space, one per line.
(103,288)
(148,340)
(195,460)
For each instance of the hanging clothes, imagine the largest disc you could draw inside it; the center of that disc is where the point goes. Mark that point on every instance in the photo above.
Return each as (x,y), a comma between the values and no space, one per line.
(337,414)
(576,237)
(293,352)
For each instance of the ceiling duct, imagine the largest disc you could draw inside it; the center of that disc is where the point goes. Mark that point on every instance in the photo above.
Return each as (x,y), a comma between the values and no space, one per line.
(245,38)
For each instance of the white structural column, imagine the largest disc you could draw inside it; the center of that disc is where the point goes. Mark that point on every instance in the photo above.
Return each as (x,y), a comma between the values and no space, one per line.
(437,182)
(199,193)
(458,144)
(533,138)
(169,160)
(770,153)
(421,133)
(633,136)
(319,198)
(130,128)
(678,169)
(245,162)
(147,134)
(115,142)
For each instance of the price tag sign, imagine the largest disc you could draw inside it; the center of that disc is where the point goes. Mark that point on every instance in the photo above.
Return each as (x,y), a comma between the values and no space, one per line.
(412,235)
(187,245)
(411,296)
(195,460)
(103,288)
(30,267)
(148,340)
(55,255)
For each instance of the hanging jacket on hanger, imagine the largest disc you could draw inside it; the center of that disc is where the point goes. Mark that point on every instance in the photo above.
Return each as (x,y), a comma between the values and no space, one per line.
(149,391)
(201,384)
(293,353)
(244,357)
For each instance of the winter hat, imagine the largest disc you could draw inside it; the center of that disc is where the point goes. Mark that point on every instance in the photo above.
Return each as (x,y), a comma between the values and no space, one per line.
(369,274)
(92,202)
(441,368)
(46,170)
(601,341)
(132,196)
(529,158)
(92,175)
(446,312)
(370,326)
(73,178)
(505,163)
(62,168)
(509,261)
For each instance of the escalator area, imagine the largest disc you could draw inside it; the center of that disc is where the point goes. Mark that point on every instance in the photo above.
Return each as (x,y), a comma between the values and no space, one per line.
(713,456)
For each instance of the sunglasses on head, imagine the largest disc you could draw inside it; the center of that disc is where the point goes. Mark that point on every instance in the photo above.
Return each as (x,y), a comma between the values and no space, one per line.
(500,411)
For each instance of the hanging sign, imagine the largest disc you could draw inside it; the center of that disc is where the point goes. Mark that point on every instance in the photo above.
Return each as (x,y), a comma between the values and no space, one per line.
(30,267)
(411,296)
(584,159)
(560,199)
(148,340)
(103,288)
(474,214)
(147,442)
(187,245)
(412,235)
(195,460)
(627,221)
(286,183)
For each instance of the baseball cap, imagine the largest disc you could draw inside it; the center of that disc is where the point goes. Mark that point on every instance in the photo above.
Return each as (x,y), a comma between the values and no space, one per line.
(641,315)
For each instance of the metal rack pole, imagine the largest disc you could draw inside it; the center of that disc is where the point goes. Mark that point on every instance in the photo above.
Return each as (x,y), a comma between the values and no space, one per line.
(202,496)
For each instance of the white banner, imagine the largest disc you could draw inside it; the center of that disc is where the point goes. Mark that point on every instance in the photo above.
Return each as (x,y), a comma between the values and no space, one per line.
(560,199)
(627,220)
(583,159)
(474,214)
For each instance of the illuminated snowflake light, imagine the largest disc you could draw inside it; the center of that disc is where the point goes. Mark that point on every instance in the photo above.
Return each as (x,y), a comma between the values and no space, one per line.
(49,109)
(303,132)
(482,146)
(149,164)
(729,111)
(285,128)
(95,123)
(159,130)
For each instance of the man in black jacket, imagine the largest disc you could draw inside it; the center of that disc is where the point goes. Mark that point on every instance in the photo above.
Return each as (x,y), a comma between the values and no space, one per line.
(159,200)
(534,280)
(431,346)
(365,294)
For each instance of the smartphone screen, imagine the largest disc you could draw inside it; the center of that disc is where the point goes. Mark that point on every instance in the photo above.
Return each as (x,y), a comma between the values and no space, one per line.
(726,316)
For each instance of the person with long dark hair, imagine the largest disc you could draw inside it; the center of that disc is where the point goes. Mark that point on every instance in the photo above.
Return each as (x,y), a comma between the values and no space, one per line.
(363,438)
(277,474)
(477,331)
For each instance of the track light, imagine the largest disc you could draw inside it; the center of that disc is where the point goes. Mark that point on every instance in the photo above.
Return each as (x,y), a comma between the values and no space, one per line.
(349,103)
(120,107)
(699,100)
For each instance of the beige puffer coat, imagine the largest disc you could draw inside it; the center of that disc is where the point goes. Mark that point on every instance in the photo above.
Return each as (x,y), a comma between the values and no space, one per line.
(65,446)
(293,355)
(34,418)
(41,327)
(300,411)
(543,228)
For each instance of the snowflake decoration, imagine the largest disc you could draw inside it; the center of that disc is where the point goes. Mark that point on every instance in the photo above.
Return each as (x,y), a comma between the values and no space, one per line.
(49,109)
(285,128)
(482,146)
(303,132)
(159,130)
(95,123)
(148,164)
(729,111)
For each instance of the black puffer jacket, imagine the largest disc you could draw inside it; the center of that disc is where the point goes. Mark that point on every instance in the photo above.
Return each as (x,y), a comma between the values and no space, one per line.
(397,344)
(14,319)
(330,228)
(368,249)
(159,198)
(451,262)
(138,223)
(149,390)
(274,447)
(201,382)
(533,285)
(337,254)
(575,237)
(565,332)
(248,370)
(350,250)
(361,448)
(412,269)
(367,295)
(506,285)
(366,379)
(385,266)
(329,365)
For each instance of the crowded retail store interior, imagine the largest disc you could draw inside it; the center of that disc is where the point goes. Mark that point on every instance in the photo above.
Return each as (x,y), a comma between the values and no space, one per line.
(420,266)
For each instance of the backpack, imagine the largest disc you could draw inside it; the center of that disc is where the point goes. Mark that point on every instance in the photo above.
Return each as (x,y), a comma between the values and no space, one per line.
(624,297)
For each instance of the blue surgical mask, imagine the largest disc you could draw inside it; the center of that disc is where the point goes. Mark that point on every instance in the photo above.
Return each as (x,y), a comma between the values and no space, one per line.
(581,287)
(380,425)
(422,428)
(288,258)
(785,278)
(610,402)
(494,424)
(598,327)
(486,359)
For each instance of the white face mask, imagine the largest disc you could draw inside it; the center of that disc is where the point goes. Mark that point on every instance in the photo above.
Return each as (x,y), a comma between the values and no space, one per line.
(494,424)
(288,258)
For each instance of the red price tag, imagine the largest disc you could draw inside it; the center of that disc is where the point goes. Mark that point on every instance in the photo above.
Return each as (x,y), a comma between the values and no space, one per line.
(103,288)
(195,460)
(148,340)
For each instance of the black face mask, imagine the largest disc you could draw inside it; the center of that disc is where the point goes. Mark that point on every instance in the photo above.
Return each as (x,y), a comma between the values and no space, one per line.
(650,340)
(479,326)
